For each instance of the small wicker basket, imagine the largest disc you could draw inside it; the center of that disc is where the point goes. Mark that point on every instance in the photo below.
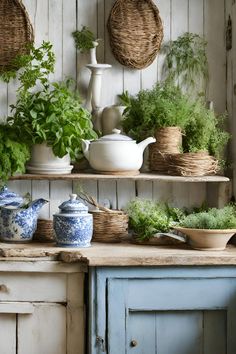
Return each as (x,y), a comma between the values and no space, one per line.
(16,32)
(192,164)
(136,32)
(44,231)
(109,227)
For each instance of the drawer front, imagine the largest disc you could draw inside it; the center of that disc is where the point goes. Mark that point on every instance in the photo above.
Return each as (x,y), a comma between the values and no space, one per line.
(33,287)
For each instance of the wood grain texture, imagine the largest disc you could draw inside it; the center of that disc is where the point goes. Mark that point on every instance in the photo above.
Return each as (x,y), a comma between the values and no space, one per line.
(8,333)
(123,254)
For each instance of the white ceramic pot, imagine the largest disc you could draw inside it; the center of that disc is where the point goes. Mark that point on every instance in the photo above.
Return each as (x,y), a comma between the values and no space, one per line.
(115,153)
(43,161)
(111,118)
(207,240)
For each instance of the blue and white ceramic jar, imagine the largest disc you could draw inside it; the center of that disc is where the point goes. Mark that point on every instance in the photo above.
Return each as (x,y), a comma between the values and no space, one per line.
(73,225)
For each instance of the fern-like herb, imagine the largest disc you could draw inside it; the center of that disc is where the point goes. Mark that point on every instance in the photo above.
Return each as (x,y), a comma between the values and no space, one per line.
(212,219)
(146,218)
(186,62)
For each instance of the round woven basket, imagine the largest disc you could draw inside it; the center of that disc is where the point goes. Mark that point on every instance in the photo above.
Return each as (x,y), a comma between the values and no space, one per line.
(16,32)
(136,32)
(192,164)
(168,142)
(44,231)
(109,226)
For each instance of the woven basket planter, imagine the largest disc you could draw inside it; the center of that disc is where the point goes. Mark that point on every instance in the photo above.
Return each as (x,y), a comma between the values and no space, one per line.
(15,32)
(169,142)
(136,32)
(44,231)
(192,164)
(109,226)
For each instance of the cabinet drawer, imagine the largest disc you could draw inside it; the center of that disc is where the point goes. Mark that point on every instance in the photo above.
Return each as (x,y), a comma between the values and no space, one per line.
(33,287)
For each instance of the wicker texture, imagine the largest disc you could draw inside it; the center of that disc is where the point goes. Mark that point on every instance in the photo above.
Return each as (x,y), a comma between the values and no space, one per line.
(109,226)
(169,141)
(44,231)
(15,32)
(192,164)
(136,32)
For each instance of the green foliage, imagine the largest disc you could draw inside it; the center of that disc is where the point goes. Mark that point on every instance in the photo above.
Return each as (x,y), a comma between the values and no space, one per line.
(84,39)
(214,219)
(186,61)
(46,112)
(147,218)
(204,131)
(162,106)
(13,154)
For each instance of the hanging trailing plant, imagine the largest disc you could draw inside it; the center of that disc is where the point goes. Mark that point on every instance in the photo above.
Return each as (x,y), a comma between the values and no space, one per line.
(186,62)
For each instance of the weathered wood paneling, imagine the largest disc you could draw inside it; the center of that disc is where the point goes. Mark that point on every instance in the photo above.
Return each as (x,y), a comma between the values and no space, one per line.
(54,20)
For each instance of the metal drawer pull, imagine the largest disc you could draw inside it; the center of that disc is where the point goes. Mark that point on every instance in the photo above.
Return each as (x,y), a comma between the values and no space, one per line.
(4,288)
(133,343)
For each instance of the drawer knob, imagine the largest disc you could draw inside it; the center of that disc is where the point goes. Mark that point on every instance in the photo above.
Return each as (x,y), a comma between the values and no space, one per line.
(133,343)
(4,288)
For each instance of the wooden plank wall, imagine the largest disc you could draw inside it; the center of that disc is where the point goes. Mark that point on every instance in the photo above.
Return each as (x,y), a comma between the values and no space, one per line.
(54,20)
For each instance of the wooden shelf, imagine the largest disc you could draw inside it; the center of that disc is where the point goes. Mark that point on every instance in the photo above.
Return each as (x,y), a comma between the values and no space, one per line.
(140,177)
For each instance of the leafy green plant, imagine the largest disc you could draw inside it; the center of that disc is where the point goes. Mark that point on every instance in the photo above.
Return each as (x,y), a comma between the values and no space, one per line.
(186,61)
(162,106)
(204,131)
(84,39)
(46,112)
(212,219)
(13,153)
(147,218)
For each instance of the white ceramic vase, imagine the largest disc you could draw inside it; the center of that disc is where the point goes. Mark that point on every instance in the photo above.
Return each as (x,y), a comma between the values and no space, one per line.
(43,161)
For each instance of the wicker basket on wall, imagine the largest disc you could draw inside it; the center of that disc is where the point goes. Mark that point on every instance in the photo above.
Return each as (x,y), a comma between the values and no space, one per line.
(109,227)
(168,142)
(136,32)
(16,32)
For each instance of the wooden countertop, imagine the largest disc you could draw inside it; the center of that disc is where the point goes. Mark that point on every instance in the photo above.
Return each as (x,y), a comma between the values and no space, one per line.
(123,254)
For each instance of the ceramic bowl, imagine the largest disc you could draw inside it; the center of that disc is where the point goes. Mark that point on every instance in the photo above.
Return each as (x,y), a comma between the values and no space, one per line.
(207,240)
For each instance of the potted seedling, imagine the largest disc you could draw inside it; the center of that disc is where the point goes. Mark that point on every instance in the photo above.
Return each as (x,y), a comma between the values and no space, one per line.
(48,116)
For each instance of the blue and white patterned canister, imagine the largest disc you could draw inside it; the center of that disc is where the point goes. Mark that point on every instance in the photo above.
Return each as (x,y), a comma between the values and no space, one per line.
(73,225)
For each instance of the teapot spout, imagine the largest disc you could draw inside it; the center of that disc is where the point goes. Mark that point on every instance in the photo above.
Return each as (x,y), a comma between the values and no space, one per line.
(146,142)
(37,204)
(85,148)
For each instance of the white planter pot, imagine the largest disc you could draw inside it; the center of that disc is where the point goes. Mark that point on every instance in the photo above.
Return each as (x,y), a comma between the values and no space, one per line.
(43,161)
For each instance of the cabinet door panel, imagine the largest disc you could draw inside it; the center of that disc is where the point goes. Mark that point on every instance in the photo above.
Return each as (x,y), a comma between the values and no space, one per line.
(7,333)
(44,332)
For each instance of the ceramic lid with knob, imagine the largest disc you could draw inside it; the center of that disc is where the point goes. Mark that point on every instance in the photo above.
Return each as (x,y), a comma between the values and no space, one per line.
(72,206)
(10,198)
(115,136)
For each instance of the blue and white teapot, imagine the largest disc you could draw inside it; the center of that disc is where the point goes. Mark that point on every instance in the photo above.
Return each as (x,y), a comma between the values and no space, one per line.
(73,225)
(18,220)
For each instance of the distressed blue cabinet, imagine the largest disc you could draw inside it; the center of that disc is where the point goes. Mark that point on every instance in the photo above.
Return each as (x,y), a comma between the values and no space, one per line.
(158,310)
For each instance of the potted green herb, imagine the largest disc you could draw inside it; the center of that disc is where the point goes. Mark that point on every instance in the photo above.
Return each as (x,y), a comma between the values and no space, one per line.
(211,229)
(47,115)
(85,41)
(13,153)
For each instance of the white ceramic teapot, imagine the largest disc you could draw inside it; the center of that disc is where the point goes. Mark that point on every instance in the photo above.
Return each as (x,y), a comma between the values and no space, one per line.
(115,153)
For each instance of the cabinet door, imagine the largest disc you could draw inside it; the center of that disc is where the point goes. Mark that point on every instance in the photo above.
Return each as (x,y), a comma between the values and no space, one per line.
(33,328)
(171,316)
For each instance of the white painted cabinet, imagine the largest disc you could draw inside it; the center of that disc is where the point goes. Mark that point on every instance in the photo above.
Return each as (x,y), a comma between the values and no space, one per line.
(41,308)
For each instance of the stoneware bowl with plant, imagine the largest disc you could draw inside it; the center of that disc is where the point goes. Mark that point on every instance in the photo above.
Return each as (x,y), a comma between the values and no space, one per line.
(48,116)
(211,229)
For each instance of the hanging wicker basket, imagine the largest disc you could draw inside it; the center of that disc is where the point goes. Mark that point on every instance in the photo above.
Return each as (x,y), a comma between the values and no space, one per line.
(192,164)
(109,226)
(136,32)
(15,32)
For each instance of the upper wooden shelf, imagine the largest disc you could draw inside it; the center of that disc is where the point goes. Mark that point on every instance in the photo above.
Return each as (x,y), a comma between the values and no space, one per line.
(140,177)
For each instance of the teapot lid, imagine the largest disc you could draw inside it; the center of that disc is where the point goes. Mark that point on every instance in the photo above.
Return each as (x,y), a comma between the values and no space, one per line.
(10,198)
(115,136)
(73,205)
